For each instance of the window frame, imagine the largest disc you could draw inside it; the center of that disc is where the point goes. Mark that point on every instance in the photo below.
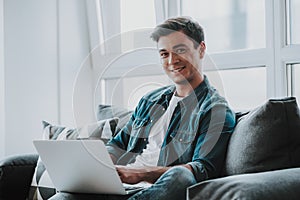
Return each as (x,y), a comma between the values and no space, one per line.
(275,56)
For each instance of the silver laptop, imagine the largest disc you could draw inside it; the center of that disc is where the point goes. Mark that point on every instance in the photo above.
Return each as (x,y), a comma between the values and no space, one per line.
(81,166)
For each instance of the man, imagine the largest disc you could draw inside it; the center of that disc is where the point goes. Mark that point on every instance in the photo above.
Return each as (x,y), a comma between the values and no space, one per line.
(177,135)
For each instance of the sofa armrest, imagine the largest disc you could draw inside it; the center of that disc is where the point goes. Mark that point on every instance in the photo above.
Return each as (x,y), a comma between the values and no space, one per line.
(275,185)
(16,175)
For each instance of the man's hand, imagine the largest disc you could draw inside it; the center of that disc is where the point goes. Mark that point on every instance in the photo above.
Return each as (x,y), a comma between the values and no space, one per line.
(135,175)
(130,175)
(149,174)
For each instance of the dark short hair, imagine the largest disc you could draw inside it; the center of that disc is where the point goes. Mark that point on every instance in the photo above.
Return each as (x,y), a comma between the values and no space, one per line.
(186,25)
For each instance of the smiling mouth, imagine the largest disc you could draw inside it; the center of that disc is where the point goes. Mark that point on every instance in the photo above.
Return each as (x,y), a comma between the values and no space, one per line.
(178,69)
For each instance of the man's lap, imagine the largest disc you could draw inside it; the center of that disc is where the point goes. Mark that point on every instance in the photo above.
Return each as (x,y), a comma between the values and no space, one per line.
(171,185)
(81,196)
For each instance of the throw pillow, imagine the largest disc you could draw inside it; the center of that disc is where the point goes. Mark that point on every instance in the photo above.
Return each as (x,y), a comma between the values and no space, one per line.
(42,186)
(267,138)
(112,111)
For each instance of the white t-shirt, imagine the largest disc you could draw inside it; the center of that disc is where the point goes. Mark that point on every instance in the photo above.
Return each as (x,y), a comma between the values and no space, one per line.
(150,155)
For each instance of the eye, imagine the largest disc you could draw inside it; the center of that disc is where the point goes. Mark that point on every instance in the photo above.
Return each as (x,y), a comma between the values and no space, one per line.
(164,54)
(180,50)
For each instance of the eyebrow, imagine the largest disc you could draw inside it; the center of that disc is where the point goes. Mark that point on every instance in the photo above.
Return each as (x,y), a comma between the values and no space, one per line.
(179,45)
(175,47)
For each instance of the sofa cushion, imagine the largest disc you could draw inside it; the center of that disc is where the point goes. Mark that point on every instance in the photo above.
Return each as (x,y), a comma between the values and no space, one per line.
(275,185)
(112,111)
(41,185)
(15,176)
(267,138)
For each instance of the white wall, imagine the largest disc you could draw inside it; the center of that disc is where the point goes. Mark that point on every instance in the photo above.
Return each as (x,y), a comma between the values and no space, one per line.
(45,43)
(2,106)
(74,47)
(30,48)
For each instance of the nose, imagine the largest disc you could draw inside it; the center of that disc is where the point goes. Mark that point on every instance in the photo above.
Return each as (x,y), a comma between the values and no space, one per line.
(173,58)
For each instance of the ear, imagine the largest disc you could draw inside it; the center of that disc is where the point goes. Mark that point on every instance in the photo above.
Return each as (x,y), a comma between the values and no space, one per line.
(202,48)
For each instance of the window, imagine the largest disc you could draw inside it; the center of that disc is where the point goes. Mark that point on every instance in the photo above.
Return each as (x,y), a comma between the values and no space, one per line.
(293,27)
(291,51)
(243,88)
(135,87)
(139,86)
(297,82)
(229,24)
(245,39)
(293,78)
(136,14)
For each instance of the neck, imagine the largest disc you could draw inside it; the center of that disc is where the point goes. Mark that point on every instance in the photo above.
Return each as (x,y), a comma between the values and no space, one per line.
(184,89)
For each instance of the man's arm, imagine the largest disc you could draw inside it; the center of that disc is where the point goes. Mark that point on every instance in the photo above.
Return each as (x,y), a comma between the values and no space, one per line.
(118,144)
(113,158)
(211,147)
(149,174)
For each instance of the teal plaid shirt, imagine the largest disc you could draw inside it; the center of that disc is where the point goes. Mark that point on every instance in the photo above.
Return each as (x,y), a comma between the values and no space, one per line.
(198,133)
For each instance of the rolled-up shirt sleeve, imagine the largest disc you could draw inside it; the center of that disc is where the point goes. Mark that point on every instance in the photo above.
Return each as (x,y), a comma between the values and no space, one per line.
(117,146)
(211,146)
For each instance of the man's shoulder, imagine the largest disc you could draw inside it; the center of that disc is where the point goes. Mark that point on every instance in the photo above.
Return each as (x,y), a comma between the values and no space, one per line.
(214,99)
(157,93)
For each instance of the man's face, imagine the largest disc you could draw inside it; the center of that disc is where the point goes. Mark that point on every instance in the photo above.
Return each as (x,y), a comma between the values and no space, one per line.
(180,60)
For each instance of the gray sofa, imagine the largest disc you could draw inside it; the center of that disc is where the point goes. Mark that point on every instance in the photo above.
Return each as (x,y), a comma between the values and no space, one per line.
(262,162)
(263,157)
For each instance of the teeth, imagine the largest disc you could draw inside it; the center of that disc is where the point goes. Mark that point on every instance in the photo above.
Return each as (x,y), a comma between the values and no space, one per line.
(178,69)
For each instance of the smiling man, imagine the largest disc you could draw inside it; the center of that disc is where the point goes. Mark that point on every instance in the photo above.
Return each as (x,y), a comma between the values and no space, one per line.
(178,134)
(182,61)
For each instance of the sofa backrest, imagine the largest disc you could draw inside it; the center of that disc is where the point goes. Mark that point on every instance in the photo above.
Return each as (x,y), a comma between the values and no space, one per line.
(267,138)
(110,111)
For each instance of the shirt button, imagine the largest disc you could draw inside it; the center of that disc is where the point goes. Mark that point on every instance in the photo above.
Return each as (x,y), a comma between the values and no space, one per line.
(180,139)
